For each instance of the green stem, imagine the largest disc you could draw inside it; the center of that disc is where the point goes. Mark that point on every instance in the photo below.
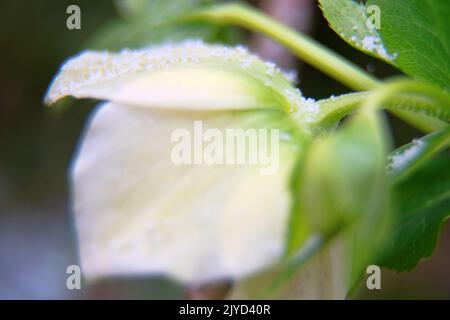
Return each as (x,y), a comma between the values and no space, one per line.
(429,114)
(304,47)
(326,60)
(441,107)
(422,122)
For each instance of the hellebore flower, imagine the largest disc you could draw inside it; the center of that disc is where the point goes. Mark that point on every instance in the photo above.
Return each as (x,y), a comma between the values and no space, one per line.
(138,212)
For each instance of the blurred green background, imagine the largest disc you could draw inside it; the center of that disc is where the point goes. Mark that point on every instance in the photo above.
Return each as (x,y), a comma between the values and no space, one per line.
(36,143)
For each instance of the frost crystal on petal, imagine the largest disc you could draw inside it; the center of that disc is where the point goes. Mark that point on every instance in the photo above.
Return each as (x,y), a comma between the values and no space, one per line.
(373,44)
(400,159)
(101,75)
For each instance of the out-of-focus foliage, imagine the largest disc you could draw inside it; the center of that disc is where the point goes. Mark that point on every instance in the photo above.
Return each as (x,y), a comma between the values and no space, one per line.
(343,188)
(145,22)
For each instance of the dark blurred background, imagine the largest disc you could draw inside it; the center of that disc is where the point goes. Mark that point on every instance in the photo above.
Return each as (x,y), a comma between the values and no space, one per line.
(36,142)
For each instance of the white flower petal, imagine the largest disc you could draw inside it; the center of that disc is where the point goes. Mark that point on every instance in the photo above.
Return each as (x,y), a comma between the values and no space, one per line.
(190,75)
(138,213)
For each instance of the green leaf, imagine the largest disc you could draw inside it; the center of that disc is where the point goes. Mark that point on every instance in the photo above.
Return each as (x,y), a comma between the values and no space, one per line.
(419,31)
(404,160)
(349,20)
(343,188)
(423,203)
(414,34)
